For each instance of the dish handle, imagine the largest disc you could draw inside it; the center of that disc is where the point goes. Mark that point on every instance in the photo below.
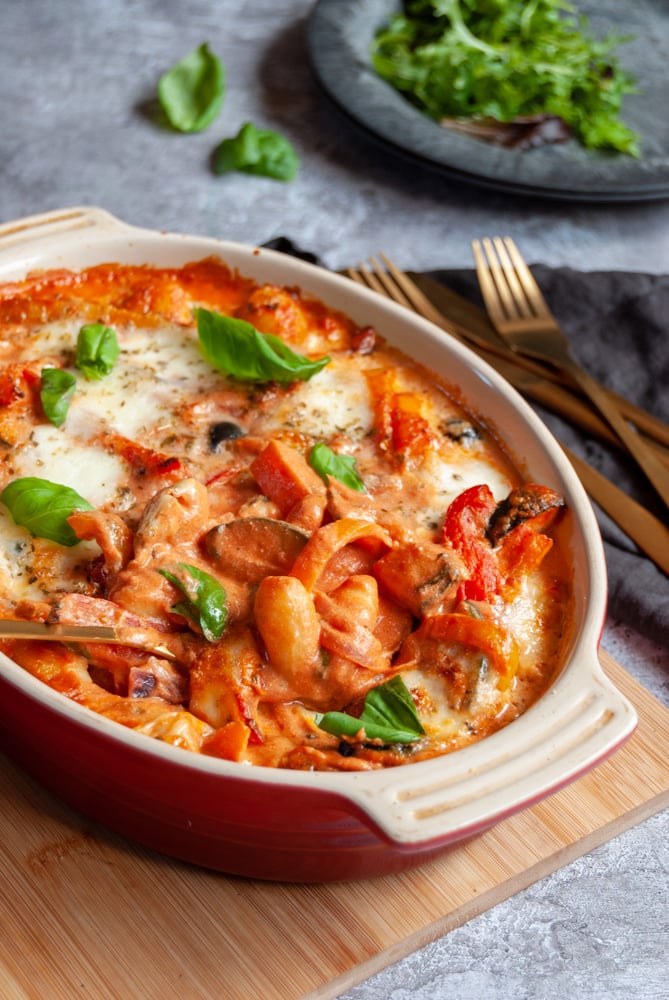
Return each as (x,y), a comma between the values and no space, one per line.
(562,737)
(55,223)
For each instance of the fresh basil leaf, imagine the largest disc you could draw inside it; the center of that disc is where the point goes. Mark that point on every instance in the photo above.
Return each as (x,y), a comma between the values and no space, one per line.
(391,704)
(43,508)
(342,467)
(389,715)
(56,392)
(206,599)
(257,151)
(191,93)
(97,350)
(235,347)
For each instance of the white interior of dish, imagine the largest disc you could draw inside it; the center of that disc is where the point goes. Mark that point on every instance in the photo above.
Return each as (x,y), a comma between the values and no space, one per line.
(576,723)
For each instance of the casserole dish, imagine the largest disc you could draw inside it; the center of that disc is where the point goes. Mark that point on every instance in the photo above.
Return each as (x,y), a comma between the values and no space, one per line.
(306,825)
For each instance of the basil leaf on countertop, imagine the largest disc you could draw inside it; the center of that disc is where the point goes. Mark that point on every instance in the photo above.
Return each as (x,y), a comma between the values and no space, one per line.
(342,467)
(97,350)
(43,508)
(206,599)
(191,93)
(236,348)
(257,151)
(389,715)
(56,391)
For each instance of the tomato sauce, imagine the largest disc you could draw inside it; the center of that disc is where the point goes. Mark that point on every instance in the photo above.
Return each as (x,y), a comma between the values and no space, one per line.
(417,576)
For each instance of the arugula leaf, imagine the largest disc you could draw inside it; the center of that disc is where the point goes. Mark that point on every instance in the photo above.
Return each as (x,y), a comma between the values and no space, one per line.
(191,93)
(56,391)
(43,508)
(235,347)
(257,151)
(97,350)
(505,60)
(342,467)
(206,599)
(389,714)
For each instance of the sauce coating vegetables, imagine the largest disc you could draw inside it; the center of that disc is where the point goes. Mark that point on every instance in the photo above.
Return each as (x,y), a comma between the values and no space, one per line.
(347,566)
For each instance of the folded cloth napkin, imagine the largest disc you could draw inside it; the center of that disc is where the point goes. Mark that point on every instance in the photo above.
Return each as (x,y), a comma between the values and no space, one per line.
(617,324)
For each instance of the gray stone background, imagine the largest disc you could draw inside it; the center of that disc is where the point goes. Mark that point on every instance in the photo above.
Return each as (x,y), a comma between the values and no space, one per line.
(77,88)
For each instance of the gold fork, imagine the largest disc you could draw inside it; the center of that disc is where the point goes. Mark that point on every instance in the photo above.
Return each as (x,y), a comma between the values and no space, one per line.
(520,315)
(645,530)
(538,382)
(139,638)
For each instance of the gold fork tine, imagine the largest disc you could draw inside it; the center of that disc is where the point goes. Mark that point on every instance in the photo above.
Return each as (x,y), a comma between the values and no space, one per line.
(540,337)
(391,288)
(356,275)
(647,531)
(512,298)
(504,277)
(486,275)
(398,286)
(369,279)
(522,275)
(528,376)
(417,300)
(477,328)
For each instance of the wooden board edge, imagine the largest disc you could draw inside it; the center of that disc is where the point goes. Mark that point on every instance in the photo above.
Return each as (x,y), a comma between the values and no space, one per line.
(519,881)
(487,900)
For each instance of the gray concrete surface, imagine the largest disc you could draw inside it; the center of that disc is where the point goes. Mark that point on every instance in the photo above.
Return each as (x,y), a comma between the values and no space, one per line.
(77,88)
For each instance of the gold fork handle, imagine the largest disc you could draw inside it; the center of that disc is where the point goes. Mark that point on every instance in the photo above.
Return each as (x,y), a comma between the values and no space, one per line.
(139,638)
(648,460)
(475,327)
(645,530)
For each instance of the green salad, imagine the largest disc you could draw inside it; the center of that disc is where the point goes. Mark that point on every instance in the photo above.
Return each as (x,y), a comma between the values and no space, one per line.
(505,61)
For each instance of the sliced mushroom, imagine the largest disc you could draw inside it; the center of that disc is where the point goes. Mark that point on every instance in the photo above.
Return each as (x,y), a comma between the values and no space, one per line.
(251,548)
(536,505)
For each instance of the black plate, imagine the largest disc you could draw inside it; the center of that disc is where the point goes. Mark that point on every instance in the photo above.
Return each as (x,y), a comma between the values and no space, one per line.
(339,36)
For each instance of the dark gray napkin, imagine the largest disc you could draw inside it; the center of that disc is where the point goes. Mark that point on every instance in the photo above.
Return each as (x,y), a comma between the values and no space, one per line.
(618,327)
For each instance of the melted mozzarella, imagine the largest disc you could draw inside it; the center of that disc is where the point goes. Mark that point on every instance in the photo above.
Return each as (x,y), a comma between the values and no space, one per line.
(448,478)
(335,401)
(162,395)
(18,556)
(49,454)
(15,557)
(155,370)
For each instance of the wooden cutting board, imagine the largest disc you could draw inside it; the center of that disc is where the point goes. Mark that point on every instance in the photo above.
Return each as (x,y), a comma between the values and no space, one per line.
(85,913)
